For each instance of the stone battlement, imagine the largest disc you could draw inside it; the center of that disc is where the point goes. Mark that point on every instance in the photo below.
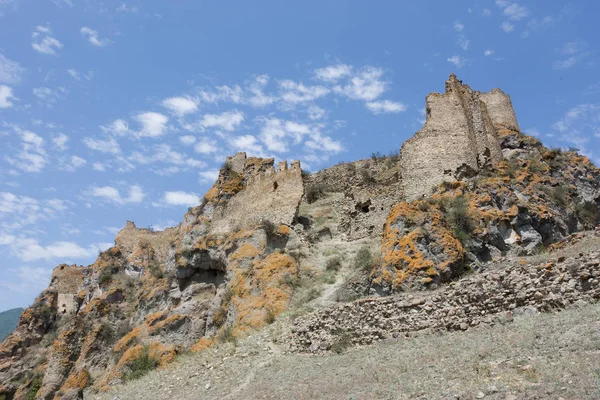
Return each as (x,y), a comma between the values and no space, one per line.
(269,194)
(130,237)
(458,139)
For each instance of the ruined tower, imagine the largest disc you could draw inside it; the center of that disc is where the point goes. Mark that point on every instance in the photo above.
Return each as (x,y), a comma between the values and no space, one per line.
(459,137)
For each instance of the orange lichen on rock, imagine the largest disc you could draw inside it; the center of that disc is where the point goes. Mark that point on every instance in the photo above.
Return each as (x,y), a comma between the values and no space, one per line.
(77,380)
(202,344)
(247,250)
(261,292)
(417,244)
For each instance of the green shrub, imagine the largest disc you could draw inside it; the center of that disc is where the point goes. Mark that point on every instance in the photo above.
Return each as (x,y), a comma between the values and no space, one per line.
(105,276)
(226,335)
(459,218)
(141,365)
(156,270)
(364,260)
(314,193)
(34,387)
(333,263)
(587,213)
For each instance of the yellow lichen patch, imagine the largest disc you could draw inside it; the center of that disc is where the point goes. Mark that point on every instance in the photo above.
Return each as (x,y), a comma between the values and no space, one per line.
(156,317)
(77,380)
(128,340)
(263,292)
(245,251)
(283,230)
(168,323)
(202,344)
(402,252)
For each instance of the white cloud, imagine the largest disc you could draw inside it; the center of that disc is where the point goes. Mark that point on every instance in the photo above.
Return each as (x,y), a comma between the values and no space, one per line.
(93,37)
(6,93)
(187,140)
(28,249)
(118,127)
(47,95)
(124,8)
(539,25)
(579,124)
(488,52)
(367,85)
(74,74)
(180,106)
(576,51)
(27,210)
(109,145)
(227,121)
(77,162)
(458,61)
(515,11)
(10,71)
(60,141)
(153,124)
(386,106)
(507,27)
(487,12)
(209,175)
(333,73)
(43,41)
(324,143)
(315,112)
(180,198)
(459,26)
(463,42)
(32,157)
(205,147)
(111,194)
(572,47)
(295,93)
(249,144)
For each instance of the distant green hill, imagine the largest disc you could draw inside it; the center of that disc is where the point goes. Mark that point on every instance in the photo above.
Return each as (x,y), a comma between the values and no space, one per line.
(8,321)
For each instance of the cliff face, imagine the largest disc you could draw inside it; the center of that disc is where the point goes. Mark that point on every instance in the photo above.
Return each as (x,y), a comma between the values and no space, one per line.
(466,190)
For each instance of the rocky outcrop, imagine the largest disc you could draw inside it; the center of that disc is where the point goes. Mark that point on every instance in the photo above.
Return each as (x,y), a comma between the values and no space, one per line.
(501,290)
(534,198)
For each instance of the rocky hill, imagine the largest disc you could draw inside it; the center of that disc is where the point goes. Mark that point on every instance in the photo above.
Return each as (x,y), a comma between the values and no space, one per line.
(468,192)
(8,321)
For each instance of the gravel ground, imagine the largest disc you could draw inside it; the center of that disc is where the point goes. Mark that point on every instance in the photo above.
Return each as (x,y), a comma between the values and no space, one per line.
(547,356)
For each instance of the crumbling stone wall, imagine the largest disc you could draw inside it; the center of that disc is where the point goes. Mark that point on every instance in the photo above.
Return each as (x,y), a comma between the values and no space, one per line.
(459,137)
(364,206)
(66,282)
(130,236)
(269,194)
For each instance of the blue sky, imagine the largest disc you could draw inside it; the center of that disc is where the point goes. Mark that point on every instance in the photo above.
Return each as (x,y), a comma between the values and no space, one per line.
(114,110)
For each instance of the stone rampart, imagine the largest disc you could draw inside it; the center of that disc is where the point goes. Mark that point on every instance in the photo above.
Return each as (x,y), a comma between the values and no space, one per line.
(268,194)
(130,237)
(459,137)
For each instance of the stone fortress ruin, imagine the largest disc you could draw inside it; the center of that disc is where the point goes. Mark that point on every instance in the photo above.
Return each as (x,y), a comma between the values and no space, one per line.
(460,137)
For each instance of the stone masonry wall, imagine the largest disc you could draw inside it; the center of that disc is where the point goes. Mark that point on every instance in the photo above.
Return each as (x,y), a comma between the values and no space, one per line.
(130,236)
(269,194)
(459,137)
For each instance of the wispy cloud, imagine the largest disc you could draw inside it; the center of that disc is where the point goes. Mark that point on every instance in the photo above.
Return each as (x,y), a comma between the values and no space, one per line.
(458,61)
(93,37)
(6,94)
(43,42)
(10,71)
(575,51)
